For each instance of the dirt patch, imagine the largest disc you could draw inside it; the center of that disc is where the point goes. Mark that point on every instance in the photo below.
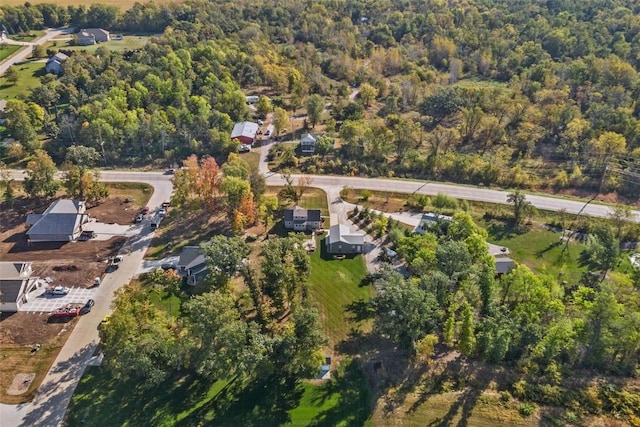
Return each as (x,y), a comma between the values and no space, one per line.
(26,329)
(20,384)
(115,210)
(68,263)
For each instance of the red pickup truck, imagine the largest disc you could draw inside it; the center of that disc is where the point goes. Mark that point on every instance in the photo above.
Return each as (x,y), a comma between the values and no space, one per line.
(69,310)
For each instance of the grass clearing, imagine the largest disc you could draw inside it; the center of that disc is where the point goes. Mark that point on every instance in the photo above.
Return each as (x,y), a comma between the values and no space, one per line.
(312,198)
(455,408)
(32,35)
(127,43)
(101,400)
(540,249)
(138,192)
(334,285)
(6,50)
(21,360)
(30,73)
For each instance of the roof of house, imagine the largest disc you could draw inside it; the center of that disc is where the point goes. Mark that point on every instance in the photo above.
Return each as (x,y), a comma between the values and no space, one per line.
(10,289)
(55,224)
(61,217)
(191,257)
(504,265)
(58,57)
(297,211)
(13,270)
(96,31)
(308,138)
(65,206)
(341,233)
(247,129)
(91,32)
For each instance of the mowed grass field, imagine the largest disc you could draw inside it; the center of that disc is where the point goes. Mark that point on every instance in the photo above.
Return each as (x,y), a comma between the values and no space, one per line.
(6,50)
(335,285)
(127,43)
(122,4)
(30,73)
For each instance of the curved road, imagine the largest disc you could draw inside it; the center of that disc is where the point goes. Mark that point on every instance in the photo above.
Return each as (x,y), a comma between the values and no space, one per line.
(25,53)
(50,403)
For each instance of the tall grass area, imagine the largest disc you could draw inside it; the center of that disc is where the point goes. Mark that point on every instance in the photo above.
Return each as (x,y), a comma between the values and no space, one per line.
(334,285)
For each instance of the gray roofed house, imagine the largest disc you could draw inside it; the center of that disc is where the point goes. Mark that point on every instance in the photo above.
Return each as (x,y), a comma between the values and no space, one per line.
(341,240)
(308,143)
(193,265)
(504,265)
(301,219)
(16,282)
(54,64)
(245,132)
(89,36)
(61,222)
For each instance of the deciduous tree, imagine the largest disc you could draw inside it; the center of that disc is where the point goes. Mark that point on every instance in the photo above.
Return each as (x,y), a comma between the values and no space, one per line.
(41,175)
(315,107)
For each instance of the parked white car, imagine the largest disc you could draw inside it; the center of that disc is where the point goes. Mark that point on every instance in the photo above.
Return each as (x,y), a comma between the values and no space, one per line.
(57,290)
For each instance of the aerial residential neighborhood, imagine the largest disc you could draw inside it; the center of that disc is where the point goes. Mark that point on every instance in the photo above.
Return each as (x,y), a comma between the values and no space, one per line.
(355,213)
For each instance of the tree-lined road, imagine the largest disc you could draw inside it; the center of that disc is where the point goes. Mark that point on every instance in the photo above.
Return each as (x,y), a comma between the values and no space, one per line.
(49,405)
(337,183)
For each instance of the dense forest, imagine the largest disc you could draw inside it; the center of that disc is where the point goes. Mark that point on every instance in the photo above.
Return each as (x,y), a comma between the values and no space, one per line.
(515,93)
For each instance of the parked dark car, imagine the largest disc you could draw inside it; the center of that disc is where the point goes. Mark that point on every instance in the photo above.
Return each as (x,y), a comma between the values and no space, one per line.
(87,307)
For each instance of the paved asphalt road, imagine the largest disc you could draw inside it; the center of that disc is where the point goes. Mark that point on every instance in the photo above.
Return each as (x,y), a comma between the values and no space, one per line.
(25,53)
(50,403)
(52,399)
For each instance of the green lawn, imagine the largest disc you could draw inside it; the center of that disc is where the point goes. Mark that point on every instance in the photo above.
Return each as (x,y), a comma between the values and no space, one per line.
(312,198)
(334,285)
(6,50)
(541,250)
(28,37)
(127,43)
(100,400)
(30,73)
(138,192)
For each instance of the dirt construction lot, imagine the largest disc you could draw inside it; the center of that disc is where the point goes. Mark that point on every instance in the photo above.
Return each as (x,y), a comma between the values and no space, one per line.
(71,264)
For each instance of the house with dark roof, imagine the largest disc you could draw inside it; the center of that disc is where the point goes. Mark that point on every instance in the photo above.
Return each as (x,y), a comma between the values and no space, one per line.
(54,64)
(245,132)
(308,143)
(16,281)
(301,219)
(341,240)
(89,36)
(504,265)
(192,265)
(61,222)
